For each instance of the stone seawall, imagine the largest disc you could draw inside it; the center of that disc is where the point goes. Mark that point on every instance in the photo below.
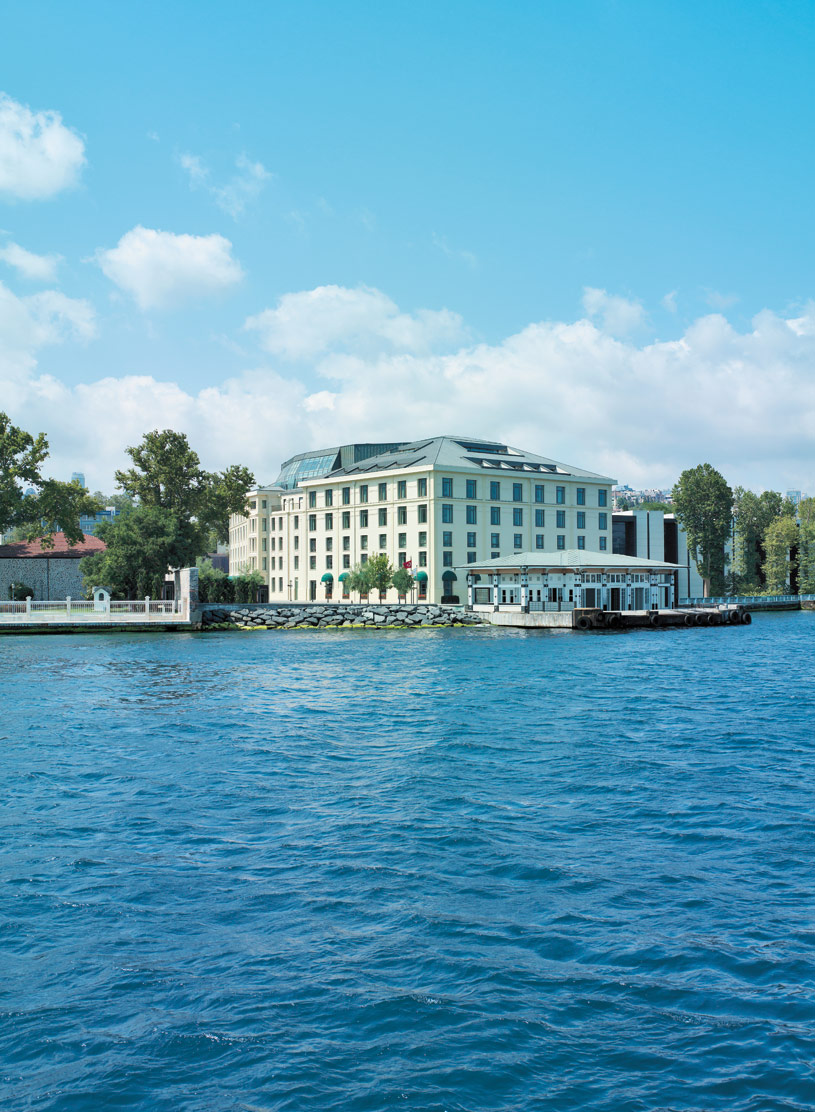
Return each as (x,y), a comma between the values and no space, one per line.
(326,616)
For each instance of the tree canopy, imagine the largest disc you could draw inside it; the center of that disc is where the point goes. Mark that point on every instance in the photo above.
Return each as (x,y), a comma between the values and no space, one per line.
(703,503)
(50,505)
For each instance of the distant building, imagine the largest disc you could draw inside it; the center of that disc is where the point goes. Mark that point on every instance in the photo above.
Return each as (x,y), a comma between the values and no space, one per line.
(794,496)
(655,535)
(78,477)
(50,573)
(432,505)
(89,522)
(632,498)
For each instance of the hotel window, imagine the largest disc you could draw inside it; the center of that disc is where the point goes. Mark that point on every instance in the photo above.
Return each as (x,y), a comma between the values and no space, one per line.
(581,542)
(329,544)
(264,563)
(471,540)
(364,558)
(346,544)
(561,519)
(402,541)
(602,521)
(296,563)
(423,540)
(312,522)
(329,521)
(539,492)
(560,495)
(447,540)
(363,493)
(363,519)
(271,523)
(401,515)
(422,513)
(539,540)
(253,505)
(447,514)
(264,523)
(329,497)
(401,488)
(329,561)
(470,557)
(296,522)
(312,562)
(517,492)
(383,541)
(383,517)
(383,492)
(346,519)
(312,498)
(363,541)
(539,518)
(494,555)
(603,543)
(602,497)
(263,544)
(346,496)
(495,540)
(471,515)
(517,516)
(253,525)
(471,489)
(263,503)
(400,559)
(312,544)
(422,559)
(346,561)
(581,496)
(495,492)
(561,541)
(495,515)
(518,540)
(447,559)
(280,585)
(447,488)
(581,519)
(296,543)
(280,523)
(422,488)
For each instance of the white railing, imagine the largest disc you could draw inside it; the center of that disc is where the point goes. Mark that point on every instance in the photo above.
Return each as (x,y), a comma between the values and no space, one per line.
(84,612)
(744,600)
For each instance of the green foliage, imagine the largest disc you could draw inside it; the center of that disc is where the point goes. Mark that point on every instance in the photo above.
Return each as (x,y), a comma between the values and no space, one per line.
(121,502)
(666,509)
(403,581)
(19,592)
(141,547)
(806,558)
(780,540)
(379,573)
(246,586)
(214,585)
(357,582)
(53,504)
(167,475)
(703,505)
(623,504)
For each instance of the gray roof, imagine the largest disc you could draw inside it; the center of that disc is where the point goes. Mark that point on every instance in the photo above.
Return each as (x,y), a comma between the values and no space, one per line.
(568,558)
(467,453)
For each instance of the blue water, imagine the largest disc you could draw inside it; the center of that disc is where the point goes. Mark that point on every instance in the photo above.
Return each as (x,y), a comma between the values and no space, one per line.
(427,870)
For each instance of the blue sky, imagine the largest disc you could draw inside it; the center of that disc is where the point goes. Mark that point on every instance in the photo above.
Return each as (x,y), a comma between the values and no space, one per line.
(586,225)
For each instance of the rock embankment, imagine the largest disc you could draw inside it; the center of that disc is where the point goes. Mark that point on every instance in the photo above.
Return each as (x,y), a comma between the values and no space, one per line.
(351,616)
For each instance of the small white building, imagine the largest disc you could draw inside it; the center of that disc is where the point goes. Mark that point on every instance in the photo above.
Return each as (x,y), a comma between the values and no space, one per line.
(570,579)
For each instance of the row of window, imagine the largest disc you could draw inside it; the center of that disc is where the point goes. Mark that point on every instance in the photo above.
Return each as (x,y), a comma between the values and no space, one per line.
(447,491)
(471,517)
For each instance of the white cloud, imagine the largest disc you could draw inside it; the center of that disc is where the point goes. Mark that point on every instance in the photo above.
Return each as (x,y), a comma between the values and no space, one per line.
(720,301)
(161,269)
(39,155)
(362,320)
(39,268)
(453,252)
(669,301)
(639,412)
(618,315)
(235,194)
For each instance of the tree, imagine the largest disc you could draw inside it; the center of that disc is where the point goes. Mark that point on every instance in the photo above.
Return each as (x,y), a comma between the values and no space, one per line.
(780,543)
(141,546)
(666,509)
(31,503)
(403,581)
(121,502)
(752,515)
(379,573)
(703,504)
(357,581)
(167,475)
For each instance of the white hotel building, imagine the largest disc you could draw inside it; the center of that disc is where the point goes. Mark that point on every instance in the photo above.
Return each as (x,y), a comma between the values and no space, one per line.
(440,504)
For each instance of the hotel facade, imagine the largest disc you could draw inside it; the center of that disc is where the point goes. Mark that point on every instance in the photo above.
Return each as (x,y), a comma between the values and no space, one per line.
(435,505)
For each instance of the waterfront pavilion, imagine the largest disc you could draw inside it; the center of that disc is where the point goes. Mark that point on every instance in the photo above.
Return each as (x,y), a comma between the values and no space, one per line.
(570,579)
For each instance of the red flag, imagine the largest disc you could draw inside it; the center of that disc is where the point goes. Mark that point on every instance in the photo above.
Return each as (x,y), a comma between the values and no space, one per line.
(407,564)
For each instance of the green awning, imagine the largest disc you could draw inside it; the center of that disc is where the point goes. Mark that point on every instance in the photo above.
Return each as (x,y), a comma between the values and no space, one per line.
(343,577)
(327,578)
(448,576)
(421,577)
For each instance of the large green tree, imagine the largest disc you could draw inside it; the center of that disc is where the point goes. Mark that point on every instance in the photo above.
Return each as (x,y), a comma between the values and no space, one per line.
(141,546)
(49,504)
(780,547)
(703,503)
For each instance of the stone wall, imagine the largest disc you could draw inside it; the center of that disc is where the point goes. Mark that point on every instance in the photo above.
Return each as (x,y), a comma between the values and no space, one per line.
(55,578)
(329,616)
